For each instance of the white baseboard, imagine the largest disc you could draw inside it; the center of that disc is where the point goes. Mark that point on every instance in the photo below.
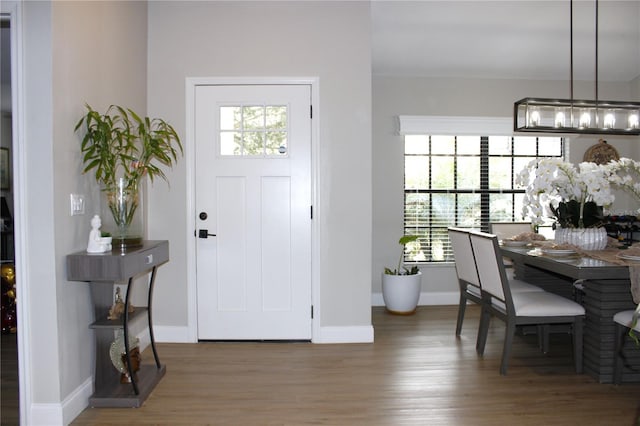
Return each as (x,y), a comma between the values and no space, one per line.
(49,414)
(347,334)
(64,413)
(426,298)
(171,334)
(357,334)
(77,401)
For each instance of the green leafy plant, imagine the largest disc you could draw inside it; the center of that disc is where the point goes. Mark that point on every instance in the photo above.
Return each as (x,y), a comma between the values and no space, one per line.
(404,240)
(121,147)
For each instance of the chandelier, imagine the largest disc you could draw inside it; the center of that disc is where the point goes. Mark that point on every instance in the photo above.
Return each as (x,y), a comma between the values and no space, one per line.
(577,116)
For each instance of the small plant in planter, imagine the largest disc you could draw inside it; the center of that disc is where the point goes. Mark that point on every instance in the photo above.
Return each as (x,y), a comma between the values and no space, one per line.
(401,286)
(404,240)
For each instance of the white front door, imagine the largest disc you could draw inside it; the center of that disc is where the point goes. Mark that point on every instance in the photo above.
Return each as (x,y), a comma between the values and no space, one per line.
(253,211)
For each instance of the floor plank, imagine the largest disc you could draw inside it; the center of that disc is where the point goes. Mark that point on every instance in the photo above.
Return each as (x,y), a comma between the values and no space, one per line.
(416,373)
(9,408)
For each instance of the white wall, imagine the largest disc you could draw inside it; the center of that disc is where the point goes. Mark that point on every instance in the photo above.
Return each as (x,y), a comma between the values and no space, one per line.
(38,188)
(393,96)
(328,40)
(99,51)
(74,52)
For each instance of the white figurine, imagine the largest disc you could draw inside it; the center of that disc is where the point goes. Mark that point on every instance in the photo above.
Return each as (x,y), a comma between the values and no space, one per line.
(97,243)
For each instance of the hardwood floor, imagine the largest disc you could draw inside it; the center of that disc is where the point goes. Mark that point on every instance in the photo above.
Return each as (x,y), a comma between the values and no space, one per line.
(416,373)
(9,408)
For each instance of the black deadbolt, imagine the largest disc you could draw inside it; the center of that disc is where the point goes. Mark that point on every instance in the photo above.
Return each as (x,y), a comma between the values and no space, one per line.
(203,216)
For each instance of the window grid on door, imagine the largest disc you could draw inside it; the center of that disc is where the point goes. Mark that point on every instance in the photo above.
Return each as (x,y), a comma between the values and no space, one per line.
(254,131)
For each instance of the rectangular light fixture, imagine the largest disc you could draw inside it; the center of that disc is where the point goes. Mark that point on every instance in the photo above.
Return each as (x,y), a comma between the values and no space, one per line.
(576,116)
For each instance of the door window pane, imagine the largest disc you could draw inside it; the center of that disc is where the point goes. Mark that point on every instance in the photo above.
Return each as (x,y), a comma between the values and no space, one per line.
(230,118)
(276,117)
(254,130)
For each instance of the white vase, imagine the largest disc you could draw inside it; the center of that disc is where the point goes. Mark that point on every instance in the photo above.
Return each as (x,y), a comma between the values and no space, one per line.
(584,238)
(401,293)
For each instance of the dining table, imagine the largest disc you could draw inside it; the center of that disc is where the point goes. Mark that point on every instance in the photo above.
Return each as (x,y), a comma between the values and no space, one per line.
(601,281)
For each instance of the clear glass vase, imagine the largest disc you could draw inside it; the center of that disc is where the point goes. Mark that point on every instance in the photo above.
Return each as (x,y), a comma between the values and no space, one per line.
(123,215)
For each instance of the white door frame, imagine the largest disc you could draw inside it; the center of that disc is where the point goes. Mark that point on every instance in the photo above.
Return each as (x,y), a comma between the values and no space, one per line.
(14,10)
(190,88)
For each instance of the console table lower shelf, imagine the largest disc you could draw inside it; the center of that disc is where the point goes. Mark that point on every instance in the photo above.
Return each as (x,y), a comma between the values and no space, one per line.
(102,271)
(120,395)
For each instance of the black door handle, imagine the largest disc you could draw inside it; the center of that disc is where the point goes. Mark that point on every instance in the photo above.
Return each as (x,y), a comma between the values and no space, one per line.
(204,233)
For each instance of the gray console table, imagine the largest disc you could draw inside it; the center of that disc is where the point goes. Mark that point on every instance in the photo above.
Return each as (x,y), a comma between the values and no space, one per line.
(102,271)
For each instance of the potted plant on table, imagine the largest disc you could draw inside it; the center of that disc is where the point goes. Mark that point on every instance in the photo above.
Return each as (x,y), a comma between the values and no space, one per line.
(575,197)
(122,148)
(401,287)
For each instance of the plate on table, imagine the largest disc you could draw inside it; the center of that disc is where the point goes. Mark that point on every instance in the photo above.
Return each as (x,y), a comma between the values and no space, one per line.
(512,243)
(626,256)
(558,252)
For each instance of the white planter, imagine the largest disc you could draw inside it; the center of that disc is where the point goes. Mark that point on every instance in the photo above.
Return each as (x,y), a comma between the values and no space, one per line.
(401,292)
(584,238)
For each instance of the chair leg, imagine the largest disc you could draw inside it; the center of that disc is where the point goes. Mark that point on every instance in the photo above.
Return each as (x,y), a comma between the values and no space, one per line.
(543,337)
(506,350)
(461,309)
(617,363)
(483,330)
(577,344)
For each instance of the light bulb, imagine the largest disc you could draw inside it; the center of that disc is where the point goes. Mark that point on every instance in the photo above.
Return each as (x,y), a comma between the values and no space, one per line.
(585,118)
(559,120)
(609,120)
(534,118)
(633,120)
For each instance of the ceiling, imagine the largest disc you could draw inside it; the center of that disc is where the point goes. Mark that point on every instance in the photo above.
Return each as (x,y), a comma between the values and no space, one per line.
(512,39)
(509,39)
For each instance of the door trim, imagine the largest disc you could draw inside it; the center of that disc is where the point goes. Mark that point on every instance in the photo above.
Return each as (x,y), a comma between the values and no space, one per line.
(190,88)
(13,9)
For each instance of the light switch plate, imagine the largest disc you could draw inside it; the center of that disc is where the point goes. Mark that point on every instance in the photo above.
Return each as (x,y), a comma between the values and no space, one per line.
(77,204)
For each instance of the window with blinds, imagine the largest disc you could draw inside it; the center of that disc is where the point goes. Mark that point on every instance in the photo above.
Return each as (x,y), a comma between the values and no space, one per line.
(463,181)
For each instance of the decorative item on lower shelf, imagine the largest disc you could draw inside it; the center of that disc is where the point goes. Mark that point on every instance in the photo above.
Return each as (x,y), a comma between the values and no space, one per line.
(118,355)
(117,308)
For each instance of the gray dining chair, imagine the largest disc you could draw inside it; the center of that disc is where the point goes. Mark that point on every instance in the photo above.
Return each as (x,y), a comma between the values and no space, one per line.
(506,230)
(623,322)
(518,308)
(468,280)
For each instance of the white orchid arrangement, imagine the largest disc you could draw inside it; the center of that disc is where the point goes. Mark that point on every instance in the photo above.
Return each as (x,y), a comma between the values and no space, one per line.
(574,196)
(625,174)
(561,187)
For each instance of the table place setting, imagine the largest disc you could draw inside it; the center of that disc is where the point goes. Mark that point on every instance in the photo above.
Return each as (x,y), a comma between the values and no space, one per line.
(524,239)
